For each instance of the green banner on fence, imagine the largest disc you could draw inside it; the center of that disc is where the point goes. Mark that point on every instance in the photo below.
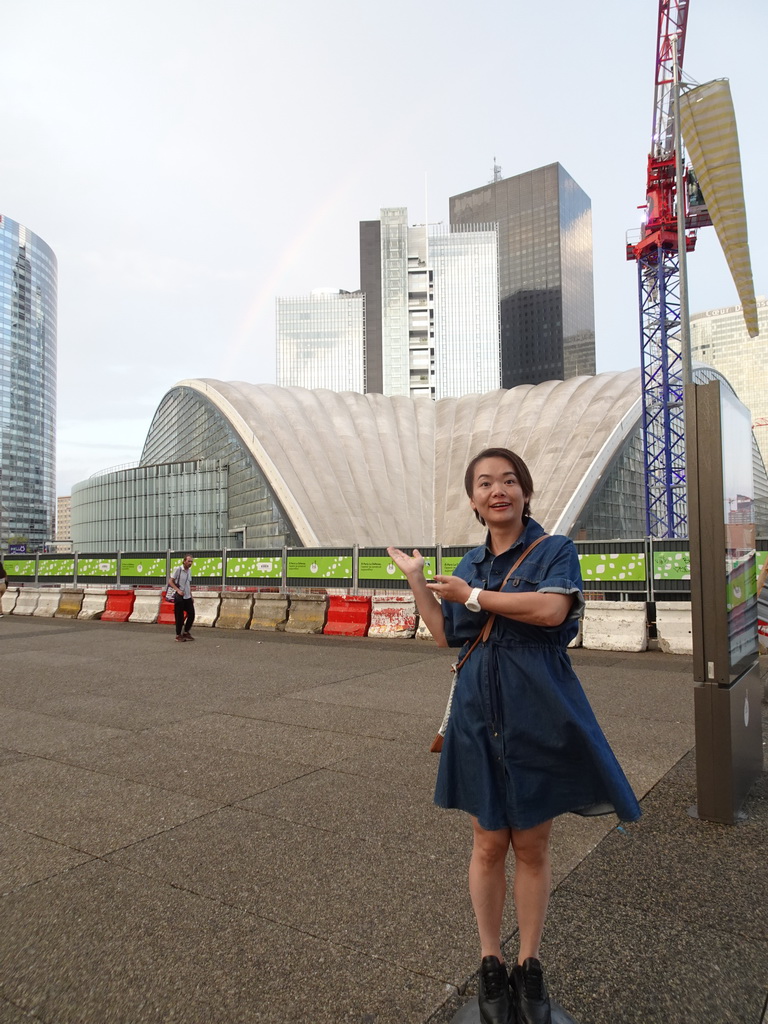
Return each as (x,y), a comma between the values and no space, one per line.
(671,565)
(614,567)
(202,566)
(255,568)
(321,566)
(19,566)
(147,566)
(449,564)
(56,567)
(381,567)
(96,567)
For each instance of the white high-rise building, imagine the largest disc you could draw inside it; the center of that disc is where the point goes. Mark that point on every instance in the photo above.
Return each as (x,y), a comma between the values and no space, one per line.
(432,307)
(719,338)
(320,339)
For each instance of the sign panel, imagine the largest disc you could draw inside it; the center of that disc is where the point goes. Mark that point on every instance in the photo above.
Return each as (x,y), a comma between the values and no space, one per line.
(56,567)
(381,567)
(321,566)
(671,565)
(19,566)
(144,566)
(623,565)
(270,567)
(96,567)
(203,566)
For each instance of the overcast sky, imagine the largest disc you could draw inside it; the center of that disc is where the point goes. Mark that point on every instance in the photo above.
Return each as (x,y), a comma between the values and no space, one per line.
(190,161)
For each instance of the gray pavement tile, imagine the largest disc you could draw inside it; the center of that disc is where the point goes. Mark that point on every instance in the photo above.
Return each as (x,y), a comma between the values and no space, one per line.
(113,712)
(331,885)
(393,693)
(33,733)
(406,763)
(86,810)
(362,807)
(210,772)
(606,963)
(25,859)
(10,756)
(300,744)
(101,944)
(646,754)
(10,1014)
(303,710)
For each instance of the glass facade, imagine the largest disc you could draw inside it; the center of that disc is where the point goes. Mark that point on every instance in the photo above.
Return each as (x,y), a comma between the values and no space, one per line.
(187,426)
(545,272)
(720,339)
(28,289)
(196,486)
(178,506)
(320,340)
(395,351)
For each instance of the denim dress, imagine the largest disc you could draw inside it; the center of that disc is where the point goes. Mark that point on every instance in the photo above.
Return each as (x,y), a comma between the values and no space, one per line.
(522,743)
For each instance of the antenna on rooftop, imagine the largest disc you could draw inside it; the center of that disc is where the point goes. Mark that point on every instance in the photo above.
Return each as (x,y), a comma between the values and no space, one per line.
(496,172)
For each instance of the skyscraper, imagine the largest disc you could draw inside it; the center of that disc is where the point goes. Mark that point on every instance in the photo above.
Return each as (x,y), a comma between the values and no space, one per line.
(320,340)
(27,386)
(545,272)
(432,307)
(719,337)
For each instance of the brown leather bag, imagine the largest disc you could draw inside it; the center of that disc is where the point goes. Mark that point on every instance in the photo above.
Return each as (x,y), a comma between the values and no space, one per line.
(485,632)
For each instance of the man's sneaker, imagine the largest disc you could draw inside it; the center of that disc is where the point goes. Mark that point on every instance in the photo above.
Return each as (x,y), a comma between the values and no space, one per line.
(187,636)
(494,996)
(181,639)
(530,993)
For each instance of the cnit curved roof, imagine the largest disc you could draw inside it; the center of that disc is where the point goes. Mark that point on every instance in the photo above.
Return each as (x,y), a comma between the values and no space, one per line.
(369,469)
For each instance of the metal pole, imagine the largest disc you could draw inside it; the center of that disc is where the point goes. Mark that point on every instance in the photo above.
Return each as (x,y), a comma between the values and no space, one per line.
(685,324)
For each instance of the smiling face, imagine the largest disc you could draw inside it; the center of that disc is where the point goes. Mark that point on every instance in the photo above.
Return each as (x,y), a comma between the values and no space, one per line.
(497,494)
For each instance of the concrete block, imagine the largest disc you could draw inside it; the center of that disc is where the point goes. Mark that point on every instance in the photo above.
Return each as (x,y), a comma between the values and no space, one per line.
(235,610)
(27,600)
(615,626)
(207,604)
(8,600)
(70,603)
(579,638)
(94,603)
(393,616)
(306,614)
(673,627)
(47,602)
(146,606)
(270,611)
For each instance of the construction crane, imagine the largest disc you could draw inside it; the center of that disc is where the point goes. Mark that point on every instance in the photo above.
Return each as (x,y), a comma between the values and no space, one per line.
(659,280)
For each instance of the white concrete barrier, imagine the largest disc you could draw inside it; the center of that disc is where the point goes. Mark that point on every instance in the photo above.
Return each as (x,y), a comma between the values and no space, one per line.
(94,603)
(47,602)
(270,612)
(306,613)
(393,617)
(578,639)
(673,627)
(615,626)
(207,604)
(8,601)
(146,606)
(27,600)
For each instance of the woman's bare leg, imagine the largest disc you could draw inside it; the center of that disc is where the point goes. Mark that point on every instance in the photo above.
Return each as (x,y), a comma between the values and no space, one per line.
(488,885)
(533,880)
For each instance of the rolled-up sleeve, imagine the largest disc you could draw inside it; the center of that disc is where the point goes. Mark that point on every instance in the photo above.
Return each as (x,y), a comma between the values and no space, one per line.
(563,576)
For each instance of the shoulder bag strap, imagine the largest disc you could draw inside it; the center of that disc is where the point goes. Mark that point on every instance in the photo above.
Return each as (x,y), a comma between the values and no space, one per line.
(485,632)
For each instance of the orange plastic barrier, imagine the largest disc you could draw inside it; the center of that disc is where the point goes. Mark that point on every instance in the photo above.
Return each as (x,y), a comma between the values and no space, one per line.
(166,615)
(348,615)
(119,605)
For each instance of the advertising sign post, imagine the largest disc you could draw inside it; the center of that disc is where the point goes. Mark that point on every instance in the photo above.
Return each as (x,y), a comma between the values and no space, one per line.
(728,689)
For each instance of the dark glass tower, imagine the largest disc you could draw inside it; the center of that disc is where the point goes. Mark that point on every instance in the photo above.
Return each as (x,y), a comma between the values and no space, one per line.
(545,272)
(27,386)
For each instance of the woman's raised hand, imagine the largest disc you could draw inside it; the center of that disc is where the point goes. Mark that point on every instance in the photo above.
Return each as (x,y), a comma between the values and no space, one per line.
(407,563)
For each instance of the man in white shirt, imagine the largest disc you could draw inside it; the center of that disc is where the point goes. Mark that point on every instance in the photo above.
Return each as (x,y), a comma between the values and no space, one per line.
(183,604)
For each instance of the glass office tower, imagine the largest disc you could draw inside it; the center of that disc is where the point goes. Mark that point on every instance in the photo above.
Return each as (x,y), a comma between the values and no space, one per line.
(545,272)
(320,341)
(27,387)
(720,338)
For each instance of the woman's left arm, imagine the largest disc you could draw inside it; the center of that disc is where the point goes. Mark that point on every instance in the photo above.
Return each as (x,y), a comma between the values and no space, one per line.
(536,609)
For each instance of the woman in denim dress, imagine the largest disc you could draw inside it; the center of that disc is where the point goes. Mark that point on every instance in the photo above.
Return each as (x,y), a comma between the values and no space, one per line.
(522,743)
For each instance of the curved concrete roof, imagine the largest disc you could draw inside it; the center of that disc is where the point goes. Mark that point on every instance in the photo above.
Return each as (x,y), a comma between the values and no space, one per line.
(371,470)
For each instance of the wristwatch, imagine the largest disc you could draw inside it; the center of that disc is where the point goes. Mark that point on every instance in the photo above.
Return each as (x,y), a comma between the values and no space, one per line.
(472,603)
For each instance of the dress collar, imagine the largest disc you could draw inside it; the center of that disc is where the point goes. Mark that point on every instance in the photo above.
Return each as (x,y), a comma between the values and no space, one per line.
(531,531)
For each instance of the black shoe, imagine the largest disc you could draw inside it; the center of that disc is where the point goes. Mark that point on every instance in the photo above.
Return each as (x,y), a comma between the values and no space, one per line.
(530,993)
(494,996)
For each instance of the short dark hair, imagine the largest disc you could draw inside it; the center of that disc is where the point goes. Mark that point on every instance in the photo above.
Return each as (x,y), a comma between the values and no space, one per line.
(521,471)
